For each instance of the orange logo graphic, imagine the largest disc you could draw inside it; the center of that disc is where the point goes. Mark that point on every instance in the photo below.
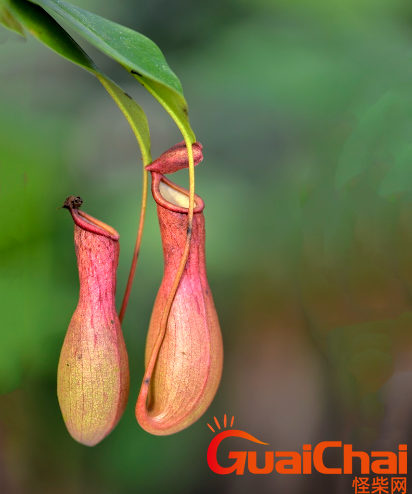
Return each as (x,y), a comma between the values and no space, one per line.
(293,462)
(239,465)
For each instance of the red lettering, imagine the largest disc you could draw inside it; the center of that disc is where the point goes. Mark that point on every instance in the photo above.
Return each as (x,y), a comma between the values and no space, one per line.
(349,454)
(269,463)
(292,465)
(391,463)
(318,457)
(403,459)
(239,465)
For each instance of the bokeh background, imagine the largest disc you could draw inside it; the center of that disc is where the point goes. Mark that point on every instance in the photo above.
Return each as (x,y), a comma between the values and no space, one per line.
(304,110)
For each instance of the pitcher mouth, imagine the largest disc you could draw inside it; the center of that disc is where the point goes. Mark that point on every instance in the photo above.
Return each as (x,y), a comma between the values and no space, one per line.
(173,197)
(93,225)
(87,222)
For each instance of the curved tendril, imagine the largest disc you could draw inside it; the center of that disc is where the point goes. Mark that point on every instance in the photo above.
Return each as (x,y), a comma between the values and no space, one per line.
(136,248)
(142,398)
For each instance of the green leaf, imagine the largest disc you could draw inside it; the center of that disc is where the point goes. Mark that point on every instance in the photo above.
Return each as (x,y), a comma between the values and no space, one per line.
(9,21)
(43,27)
(133,113)
(138,54)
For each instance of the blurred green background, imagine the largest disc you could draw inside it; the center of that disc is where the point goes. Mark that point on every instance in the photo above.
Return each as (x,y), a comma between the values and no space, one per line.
(304,110)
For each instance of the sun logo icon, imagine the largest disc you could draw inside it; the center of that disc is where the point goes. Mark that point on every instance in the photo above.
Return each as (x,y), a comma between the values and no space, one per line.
(218,425)
(240,456)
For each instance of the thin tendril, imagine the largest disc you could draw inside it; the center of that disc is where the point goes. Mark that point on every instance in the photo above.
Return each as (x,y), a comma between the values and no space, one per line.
(136,248)
(142,399)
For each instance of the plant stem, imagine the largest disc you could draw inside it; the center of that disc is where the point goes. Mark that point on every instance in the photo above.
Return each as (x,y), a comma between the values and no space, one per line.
(136,248)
